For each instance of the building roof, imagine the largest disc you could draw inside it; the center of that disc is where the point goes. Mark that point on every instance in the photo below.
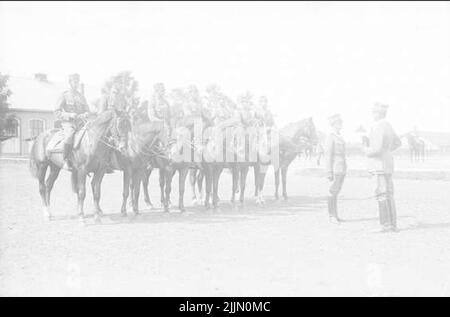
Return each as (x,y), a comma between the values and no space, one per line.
(33,94)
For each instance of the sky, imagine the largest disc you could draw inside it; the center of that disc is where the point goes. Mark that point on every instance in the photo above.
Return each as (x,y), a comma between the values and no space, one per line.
(310,58)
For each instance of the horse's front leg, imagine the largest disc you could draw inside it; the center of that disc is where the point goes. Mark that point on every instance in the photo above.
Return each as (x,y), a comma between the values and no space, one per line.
(243,179)
(125,189)
(192,182)
(208,175)
(168,176)
(235,182)
(162,184)
(96,185)
(81,184)
(215,191)
(145,181)
(136,178)
(182,174)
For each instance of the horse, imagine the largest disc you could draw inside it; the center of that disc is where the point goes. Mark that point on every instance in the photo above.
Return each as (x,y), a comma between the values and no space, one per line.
(141,150)
(292,140)
(88,156)
(168,167)
(416,147)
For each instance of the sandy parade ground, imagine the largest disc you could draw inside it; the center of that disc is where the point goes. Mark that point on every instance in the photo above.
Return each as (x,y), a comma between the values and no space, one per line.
(285,248)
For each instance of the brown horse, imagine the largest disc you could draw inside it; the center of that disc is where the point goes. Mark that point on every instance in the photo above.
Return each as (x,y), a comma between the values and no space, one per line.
(416,147)
(88,157)
(293,138)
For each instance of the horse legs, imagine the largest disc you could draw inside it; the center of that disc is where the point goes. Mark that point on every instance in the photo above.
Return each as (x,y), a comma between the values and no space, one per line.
(284,181)
(192,182)
(136,178)
(208,174)
(261,178)
(182,174)
(96,185)
(256,171)
(162,184)
(125,190)
(243,178)
(42,170)
(54,172)
(145,180)
(200,177)
(277,183)
(216,176)
(169,176)
(235,182)
(81,185)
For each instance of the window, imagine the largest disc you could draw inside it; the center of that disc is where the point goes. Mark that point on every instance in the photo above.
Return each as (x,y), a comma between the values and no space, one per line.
(12,128)
(36,127)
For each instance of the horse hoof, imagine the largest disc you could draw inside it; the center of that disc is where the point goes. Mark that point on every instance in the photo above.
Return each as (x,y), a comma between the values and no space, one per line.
(123,213)
(97,218)
(182,209)
(285,198)
(46,213)
(149,204)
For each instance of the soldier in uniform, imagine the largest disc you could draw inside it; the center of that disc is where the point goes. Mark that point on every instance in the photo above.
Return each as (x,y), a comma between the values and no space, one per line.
(159,112)
(264,114)
(71,110)
(336,165)
(382,141)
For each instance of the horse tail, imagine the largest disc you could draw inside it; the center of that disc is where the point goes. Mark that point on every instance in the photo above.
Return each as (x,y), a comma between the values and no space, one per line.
(74,179)
(32,164)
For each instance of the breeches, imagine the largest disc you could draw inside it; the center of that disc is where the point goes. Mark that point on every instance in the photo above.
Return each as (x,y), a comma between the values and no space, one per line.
(384,187)
(68,132)
(336,185)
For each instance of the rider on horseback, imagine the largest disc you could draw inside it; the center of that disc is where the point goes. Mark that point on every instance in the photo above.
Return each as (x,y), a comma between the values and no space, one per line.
(264,114)
(159,113)
(72,110)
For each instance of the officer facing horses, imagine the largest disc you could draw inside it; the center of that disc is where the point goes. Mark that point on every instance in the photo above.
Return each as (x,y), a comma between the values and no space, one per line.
(72,110)
(382,141)
(336,164)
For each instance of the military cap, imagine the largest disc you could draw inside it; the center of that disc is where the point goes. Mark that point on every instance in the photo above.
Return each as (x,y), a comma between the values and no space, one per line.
(334,118)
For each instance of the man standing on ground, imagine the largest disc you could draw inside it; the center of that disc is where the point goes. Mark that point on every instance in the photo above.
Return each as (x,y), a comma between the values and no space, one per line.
(382,142)
(336,164)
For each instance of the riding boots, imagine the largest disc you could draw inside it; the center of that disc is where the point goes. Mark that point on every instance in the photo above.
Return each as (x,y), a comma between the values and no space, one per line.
(332,209)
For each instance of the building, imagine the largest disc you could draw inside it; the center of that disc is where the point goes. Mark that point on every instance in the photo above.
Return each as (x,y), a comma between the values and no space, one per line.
(32,104)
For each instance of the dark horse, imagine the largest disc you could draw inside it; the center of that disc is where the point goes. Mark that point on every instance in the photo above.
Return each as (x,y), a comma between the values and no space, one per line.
(416,147)
(88,156)
(293,138)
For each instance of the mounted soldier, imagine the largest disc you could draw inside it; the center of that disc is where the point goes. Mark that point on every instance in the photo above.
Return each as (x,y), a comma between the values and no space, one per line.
(160,114)
(72,109)
(336,164)
(264,114)
(382,141)
(246,110)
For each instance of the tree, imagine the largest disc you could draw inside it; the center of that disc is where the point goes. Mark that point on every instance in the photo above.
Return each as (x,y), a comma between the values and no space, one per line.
(5,119)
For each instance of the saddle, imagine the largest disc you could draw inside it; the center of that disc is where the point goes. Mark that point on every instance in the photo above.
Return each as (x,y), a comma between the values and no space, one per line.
(56,144)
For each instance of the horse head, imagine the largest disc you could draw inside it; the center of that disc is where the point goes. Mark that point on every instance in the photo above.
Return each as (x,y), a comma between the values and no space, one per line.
(119,129)
(306,134)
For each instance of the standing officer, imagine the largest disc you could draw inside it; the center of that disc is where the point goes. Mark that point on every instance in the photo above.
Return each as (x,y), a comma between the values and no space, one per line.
(382,141)
(335,164)
(72,110)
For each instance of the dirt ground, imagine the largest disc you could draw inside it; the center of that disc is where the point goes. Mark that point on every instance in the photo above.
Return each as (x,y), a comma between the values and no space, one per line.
(286,248)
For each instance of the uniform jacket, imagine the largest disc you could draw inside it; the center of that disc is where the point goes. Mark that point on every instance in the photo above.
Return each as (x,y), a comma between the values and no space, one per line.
(335,160)
(69,103)
(382,141)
